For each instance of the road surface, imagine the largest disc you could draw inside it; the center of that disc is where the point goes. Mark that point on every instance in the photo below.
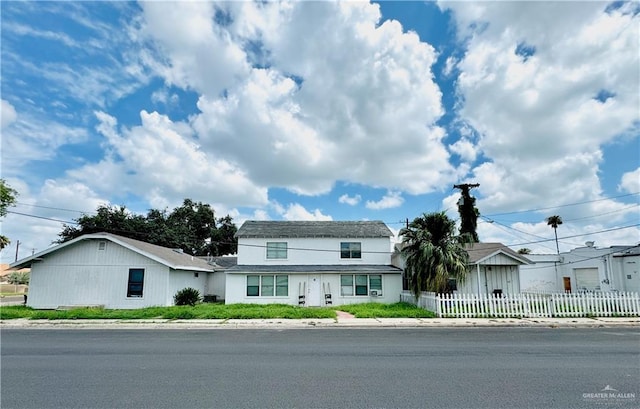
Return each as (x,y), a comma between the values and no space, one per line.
(321,368)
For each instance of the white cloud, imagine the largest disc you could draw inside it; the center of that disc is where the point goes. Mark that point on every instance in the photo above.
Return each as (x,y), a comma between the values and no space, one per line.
(8,113)
(296,211)
(630,182)
(161,162)
(388,201)
(542,128)
(342,106)
(351,201)
(465,149)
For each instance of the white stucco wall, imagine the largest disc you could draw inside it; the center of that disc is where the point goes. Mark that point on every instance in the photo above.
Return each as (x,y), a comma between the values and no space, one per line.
(319,251)
(216,284)
(236,285)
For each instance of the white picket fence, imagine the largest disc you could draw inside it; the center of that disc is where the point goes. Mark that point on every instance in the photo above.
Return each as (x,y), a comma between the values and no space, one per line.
(523,305)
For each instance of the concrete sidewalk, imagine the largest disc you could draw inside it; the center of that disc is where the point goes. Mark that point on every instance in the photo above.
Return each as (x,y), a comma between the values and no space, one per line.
(340,322)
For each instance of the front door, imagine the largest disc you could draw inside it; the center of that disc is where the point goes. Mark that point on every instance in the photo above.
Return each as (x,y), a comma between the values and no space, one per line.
(313,291)
(567,284)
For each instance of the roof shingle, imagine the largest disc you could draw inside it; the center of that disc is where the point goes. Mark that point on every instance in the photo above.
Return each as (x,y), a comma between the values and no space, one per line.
(337,229)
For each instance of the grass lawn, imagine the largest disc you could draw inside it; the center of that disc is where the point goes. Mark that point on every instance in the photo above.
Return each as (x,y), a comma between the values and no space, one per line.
(220,311)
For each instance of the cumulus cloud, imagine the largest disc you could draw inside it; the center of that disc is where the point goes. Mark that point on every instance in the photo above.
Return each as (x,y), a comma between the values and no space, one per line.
(342,106)
(296,211)
(388,201)
(557,95)
(350,200)
(161,162)
(630,182)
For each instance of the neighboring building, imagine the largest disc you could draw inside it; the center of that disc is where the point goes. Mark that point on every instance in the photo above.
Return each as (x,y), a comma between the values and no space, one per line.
(107,270)
(313,263)
(584,269)
(493,269)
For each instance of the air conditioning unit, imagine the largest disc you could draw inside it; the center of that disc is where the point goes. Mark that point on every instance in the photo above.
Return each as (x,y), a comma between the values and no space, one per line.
(375,293)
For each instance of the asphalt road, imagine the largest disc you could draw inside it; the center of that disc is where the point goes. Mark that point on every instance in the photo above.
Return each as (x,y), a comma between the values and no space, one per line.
(321,367)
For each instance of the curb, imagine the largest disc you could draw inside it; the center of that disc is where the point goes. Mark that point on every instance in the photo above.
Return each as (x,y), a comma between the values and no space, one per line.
(606,322)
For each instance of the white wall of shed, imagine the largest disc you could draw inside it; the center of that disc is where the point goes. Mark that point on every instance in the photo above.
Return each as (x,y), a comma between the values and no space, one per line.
(83,275)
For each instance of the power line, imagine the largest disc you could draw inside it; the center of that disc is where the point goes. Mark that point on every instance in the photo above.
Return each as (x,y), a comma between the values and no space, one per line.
(564,205)
(41,217)
(53,208)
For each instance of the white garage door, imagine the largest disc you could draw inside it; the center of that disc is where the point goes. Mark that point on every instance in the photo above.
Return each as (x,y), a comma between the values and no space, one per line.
(587,279)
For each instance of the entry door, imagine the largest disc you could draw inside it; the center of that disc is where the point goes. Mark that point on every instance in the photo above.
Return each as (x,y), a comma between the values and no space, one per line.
(567,284)
(313,291)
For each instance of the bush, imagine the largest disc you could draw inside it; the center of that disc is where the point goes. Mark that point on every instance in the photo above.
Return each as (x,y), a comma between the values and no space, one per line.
(18,277)
(187,296)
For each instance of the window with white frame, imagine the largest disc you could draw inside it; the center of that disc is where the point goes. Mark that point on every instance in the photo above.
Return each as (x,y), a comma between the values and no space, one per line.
(267,285)
(350,250)
(360,284)
(276,250)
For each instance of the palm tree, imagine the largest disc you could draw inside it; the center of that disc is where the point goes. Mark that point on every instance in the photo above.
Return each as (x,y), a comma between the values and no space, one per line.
(555,221)
(433,253)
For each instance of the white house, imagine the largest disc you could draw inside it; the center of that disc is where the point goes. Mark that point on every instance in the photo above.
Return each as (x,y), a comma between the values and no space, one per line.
(107,270)
(584,269)
(493,269)
(313,263)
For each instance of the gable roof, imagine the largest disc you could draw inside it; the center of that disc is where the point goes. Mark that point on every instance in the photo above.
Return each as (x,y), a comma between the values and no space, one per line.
(479,252)
(307,229)
(169,257)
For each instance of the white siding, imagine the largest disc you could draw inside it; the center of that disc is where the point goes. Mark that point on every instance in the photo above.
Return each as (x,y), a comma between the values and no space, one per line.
(216,284)
(83,275)
(505,278)
(318,251)
(236,289)
(183,279)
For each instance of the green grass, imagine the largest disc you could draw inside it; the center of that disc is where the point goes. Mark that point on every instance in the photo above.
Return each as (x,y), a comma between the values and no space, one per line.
(377,310)
(220,311)
(200,311)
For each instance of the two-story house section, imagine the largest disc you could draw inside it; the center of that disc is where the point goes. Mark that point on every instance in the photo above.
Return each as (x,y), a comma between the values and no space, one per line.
(313,263)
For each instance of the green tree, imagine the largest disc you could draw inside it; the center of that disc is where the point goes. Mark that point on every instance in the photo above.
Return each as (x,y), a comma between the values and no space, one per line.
(555,221)
(223,241)
(109,219)
(8,197)
(433,253)
(191,227)
(524,250)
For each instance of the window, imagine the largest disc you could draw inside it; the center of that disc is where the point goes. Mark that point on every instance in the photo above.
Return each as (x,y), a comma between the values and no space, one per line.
(360,284)
(276,250)
(350,250)
(136,282)
(267,285)
(102,245)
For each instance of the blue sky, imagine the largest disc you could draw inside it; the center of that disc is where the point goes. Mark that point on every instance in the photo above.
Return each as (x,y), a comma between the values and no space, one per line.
(325,110)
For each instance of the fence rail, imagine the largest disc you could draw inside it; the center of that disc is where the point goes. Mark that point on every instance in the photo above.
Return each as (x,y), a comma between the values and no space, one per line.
(524,305)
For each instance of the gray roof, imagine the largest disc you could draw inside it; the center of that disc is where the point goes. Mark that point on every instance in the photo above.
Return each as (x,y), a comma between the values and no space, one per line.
(316,268)
(337,229)
(480,251)
(171,258)
(224,262)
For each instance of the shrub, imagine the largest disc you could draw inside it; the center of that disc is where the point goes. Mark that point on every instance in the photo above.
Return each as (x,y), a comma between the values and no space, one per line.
(187,296)
(18,277)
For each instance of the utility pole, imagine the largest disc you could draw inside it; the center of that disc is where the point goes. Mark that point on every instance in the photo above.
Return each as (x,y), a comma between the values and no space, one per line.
(17,247)
(468,211)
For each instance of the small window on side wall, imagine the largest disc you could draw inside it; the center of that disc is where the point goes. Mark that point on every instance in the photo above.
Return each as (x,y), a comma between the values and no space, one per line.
(136,282)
